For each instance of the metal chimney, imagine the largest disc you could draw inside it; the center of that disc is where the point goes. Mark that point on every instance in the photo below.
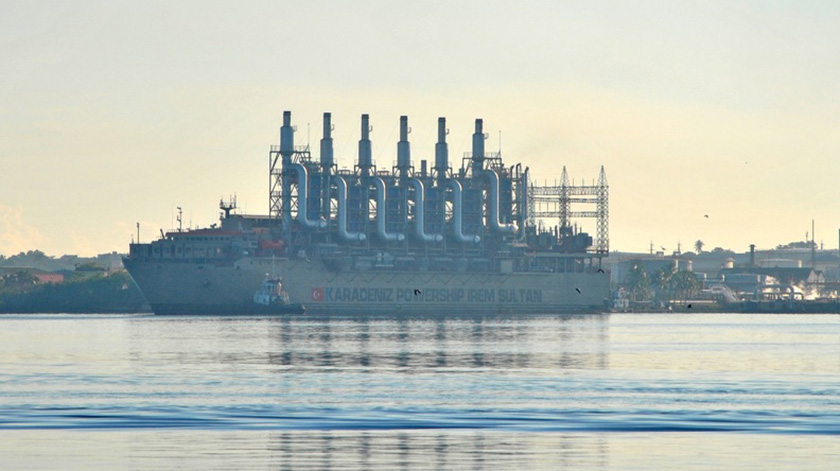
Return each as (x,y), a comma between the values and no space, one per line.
(403,149)
(326,166)
(327,145)
(441,150)
(478,147)
(287,138)
(365,161)
(287,149)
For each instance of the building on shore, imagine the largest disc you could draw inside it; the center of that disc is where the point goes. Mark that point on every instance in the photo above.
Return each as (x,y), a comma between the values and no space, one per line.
(791,272)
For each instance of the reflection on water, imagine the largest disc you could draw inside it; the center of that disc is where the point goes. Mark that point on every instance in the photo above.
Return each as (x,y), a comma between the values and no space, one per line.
(539,392)
(411,450)
(413,346)
(326,450)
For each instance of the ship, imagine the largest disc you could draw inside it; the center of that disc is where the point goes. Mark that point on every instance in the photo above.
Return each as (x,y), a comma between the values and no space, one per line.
(433,240)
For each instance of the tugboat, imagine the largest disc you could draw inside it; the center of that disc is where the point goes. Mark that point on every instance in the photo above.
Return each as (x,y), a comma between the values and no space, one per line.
(272,299)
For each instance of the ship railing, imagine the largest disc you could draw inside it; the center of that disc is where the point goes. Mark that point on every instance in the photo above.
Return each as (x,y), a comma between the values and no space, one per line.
(302,149)
(410,163)
(487,155)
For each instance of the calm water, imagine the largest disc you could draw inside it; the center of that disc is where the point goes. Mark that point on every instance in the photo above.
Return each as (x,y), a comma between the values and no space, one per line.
(628,391)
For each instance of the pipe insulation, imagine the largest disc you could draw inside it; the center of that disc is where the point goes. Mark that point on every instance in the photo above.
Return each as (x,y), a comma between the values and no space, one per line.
(303,198)
(342,213)
(458,215)
(495,223)
(381,209)
(419,213)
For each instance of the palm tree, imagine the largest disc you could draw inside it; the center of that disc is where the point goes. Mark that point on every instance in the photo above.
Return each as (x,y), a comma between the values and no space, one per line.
(685,284)
(661,281)
(638,283)
(698,246)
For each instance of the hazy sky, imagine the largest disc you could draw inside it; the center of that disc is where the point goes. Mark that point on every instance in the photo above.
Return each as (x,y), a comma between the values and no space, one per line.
(117,112)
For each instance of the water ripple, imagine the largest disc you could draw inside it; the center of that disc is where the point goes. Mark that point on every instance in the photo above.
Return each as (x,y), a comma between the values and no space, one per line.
(522,420)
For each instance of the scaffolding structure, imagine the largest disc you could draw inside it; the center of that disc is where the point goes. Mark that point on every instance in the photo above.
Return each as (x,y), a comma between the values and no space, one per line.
(275,179)
(555,201)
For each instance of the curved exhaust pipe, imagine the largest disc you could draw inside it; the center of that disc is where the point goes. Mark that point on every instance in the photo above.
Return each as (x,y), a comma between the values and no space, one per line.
(303,197)
(380,214)
(420,211)
(342,213)
(495,224)
(458,215)
(526,176)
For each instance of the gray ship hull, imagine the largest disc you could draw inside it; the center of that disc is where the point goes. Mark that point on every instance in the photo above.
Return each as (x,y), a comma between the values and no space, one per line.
(195,288)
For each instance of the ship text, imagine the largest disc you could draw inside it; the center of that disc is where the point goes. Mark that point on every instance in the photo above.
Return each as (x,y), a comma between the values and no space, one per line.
(430,295)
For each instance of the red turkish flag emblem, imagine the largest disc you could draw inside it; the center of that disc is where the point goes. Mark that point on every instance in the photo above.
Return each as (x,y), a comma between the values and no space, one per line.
(317,294)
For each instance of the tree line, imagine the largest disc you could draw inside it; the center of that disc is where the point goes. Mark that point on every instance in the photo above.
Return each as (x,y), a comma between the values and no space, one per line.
(20,292)
(664,285)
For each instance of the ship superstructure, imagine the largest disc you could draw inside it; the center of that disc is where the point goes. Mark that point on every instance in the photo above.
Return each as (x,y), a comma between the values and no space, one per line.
(404,239)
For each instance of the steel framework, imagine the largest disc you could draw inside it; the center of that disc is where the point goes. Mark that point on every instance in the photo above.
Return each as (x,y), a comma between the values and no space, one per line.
(556,201)
(275,179)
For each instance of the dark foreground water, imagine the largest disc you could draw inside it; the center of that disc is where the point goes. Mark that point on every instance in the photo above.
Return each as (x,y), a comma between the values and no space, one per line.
(629,391)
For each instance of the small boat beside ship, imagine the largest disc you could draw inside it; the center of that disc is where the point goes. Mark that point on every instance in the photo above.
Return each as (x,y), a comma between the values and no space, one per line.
(273,299)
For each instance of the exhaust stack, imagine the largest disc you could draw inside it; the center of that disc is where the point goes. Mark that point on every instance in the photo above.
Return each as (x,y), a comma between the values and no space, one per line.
(327,145)
(326,166)
(287,138)
(478,147)
(441,151)
(287,149)
(365,161)
(403,149)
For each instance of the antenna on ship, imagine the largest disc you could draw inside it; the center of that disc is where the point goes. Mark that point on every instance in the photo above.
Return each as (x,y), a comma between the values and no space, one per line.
(228,206)
(180,219)
(813,248)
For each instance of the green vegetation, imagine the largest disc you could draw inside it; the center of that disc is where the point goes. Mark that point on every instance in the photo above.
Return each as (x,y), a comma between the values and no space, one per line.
(638,284)
(20,293)
(683,285)
(663,285)
(40,260)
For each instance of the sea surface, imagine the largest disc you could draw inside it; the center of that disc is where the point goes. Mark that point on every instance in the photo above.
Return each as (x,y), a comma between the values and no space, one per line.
(620,391)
